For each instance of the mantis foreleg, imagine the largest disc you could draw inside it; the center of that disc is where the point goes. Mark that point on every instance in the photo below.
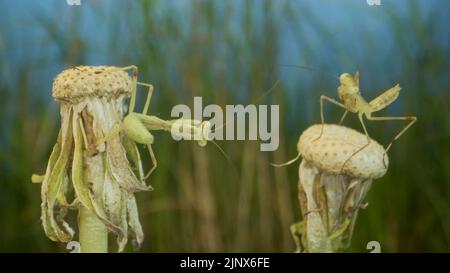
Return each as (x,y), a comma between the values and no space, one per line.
(343,117)
(360,117)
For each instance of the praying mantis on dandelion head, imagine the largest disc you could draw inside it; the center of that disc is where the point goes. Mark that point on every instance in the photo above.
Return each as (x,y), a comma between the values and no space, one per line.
(351,100)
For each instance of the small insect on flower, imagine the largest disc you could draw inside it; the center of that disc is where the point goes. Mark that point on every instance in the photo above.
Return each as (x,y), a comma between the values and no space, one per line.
(353,101)
(137,126)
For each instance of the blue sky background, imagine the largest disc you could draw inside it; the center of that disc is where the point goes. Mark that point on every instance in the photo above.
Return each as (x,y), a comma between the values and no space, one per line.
(352,22)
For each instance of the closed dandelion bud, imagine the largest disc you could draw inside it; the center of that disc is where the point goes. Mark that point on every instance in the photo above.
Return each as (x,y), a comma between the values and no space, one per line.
(334,178)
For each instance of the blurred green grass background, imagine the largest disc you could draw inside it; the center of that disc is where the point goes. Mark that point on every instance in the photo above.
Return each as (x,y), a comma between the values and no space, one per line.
(232,52)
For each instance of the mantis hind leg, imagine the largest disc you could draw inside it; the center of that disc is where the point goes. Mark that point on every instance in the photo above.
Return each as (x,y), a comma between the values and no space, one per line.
(133,85)
(321,112)
(364,146)
(149,96)
(153,159)
(412,120)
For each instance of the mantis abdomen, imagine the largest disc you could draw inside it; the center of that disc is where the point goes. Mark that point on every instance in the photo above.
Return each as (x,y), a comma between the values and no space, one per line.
(383,100)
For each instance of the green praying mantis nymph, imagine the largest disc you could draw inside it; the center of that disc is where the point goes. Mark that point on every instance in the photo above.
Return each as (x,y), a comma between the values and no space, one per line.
(137,126)
(353,101)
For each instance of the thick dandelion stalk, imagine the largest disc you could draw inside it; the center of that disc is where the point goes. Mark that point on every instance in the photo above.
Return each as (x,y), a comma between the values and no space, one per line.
(93,232)
(334,178)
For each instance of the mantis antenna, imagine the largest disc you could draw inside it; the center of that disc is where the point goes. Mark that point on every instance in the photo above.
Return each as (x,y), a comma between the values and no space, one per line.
(311,69)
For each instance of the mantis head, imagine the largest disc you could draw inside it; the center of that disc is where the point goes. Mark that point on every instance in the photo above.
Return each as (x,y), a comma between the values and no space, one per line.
(189,129)
(350,83)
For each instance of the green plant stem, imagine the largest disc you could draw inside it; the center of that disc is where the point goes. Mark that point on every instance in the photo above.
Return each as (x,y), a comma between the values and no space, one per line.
(93,233)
